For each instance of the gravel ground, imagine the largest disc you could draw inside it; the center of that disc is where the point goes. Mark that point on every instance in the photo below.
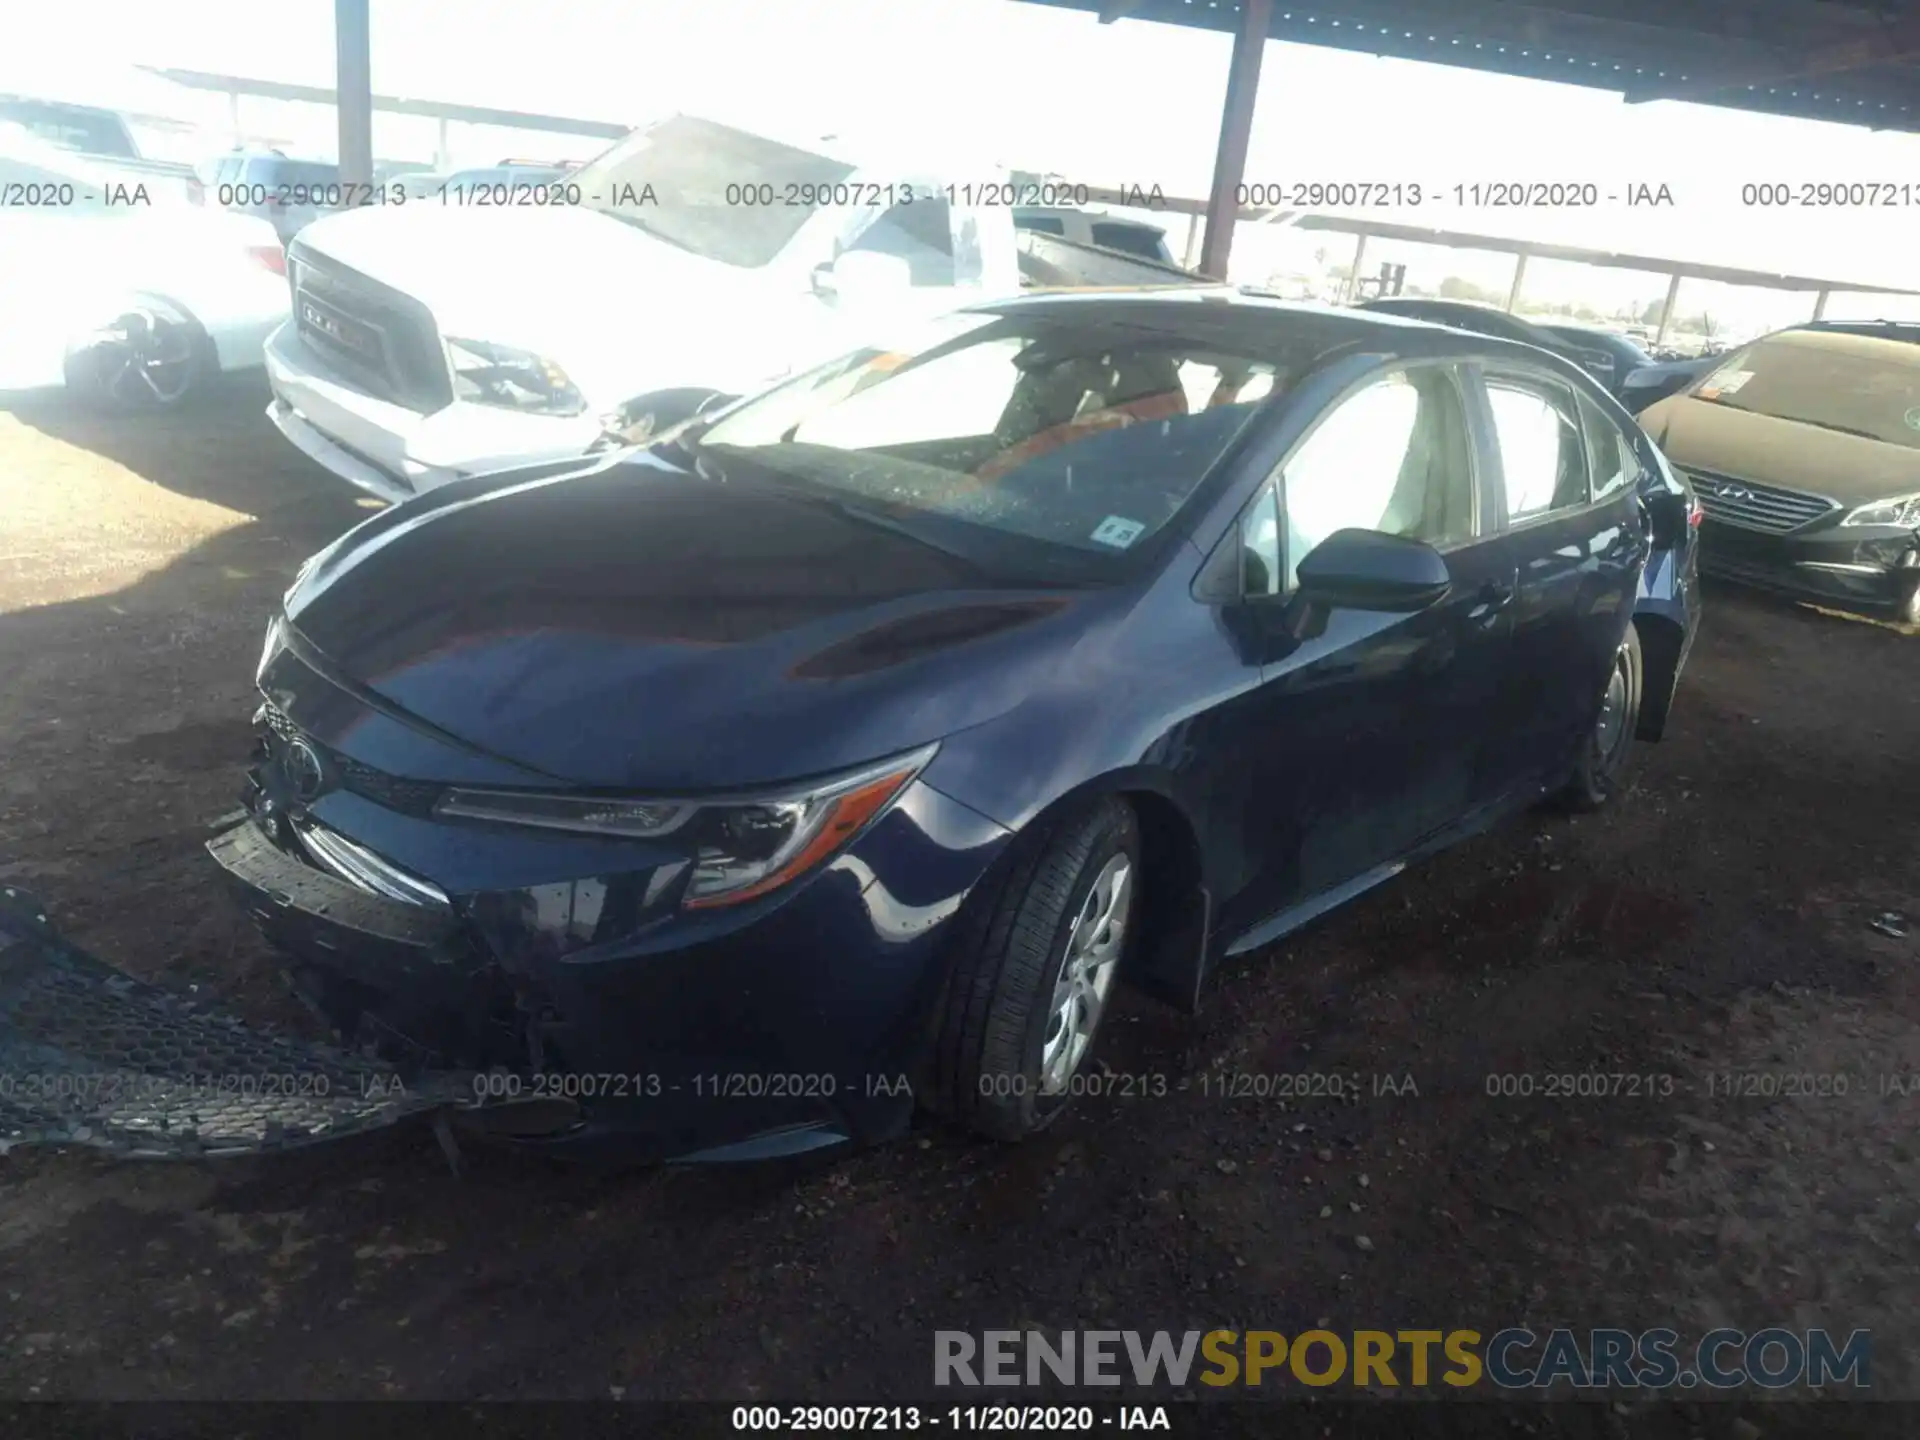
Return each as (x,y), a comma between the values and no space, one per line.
(1715,921)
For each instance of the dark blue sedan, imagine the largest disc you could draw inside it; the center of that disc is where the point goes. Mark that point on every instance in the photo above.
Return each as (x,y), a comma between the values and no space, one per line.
(843,750)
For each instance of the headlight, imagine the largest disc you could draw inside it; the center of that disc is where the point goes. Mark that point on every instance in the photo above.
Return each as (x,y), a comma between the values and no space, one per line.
(1904,513)
(488,374)
(740,848)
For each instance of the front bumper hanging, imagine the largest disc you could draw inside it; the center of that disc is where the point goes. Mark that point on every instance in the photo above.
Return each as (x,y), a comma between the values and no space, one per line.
(92,1057)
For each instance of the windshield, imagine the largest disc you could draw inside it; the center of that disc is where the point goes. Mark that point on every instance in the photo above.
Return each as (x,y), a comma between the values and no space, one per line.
(695,184)
(1067,431)
(1852,384)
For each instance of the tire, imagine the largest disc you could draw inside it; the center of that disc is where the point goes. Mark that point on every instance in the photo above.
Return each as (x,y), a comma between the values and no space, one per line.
(1598,773)
(1908,610)
(150,357)
(1004,1003)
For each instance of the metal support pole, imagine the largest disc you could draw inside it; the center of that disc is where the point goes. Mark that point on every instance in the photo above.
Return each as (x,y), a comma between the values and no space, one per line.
(233,119)
(353,85)
(1820,303)
(1666,312)
(1353,271)
(1192,247)
(442,153)
(1519,278)
(1236,127)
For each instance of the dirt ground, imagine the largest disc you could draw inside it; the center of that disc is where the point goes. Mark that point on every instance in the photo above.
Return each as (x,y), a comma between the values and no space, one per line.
(1716,920)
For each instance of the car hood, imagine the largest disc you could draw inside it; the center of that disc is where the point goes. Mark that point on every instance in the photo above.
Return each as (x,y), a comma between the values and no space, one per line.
(636,627)
(621,311)
(1699,434)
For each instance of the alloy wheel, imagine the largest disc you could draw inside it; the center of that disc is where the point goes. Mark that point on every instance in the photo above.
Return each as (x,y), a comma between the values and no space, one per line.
(1094,945)
(143,359)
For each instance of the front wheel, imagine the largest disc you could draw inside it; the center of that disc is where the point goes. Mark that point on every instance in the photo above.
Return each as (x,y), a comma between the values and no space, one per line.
(1597,776)
(1038,963)
(1907,612)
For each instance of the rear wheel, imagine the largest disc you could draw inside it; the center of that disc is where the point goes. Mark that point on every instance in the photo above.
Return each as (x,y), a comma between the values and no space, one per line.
(147,358)
(1597,775)
(1039,962)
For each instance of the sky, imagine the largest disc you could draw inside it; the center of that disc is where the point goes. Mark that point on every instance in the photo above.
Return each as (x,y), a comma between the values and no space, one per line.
(995,82)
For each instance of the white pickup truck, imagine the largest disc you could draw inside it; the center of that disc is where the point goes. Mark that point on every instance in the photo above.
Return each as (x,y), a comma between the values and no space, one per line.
(431,339)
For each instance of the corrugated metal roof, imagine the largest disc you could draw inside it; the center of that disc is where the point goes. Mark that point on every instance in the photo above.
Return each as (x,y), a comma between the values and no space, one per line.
(1812,59)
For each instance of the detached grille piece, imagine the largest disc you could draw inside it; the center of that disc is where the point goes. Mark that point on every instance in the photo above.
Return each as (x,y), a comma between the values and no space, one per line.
(90,1056)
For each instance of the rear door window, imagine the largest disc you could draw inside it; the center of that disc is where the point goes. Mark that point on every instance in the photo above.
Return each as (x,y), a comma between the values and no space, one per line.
(1543,454)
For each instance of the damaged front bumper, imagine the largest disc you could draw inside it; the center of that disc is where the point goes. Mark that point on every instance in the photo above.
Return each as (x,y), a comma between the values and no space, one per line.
(92,1057)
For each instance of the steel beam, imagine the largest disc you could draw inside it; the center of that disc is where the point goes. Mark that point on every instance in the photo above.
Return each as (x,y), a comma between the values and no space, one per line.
(353,82)
(1666,312)
(1236,127)
(1519,278)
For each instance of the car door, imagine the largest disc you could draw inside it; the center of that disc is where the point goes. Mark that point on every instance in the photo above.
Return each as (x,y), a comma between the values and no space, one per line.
(1370,728)
(1578,544)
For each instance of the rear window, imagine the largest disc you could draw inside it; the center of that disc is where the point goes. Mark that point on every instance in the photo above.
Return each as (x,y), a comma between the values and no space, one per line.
(1849,384)
(1134,239)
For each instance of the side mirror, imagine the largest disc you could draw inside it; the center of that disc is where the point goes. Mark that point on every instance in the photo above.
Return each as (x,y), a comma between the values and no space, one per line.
(1366,570)
(862,275)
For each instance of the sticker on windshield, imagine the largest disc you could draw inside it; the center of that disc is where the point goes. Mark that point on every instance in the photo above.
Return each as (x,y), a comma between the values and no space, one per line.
(1118,531)
(1726,384)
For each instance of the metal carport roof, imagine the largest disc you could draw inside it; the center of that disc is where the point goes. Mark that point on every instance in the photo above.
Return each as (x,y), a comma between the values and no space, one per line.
(1841,60)
(1813,59)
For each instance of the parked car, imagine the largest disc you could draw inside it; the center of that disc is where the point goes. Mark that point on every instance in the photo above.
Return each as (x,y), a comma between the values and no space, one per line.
(1480,319)
(1804,448)
(1658,379)
(1609,356)
(1088,227)
(408,363)
(103,137)
(288,193)
(845,748)
(131,299)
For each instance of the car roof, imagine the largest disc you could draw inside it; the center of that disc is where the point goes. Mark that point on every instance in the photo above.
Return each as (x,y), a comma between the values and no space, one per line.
(1244,313)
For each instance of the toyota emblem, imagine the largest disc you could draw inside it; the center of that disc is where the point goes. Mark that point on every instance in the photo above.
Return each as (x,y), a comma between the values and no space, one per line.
(306,771)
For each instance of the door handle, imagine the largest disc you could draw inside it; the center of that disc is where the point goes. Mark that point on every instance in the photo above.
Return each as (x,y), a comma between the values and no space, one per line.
(1492,599)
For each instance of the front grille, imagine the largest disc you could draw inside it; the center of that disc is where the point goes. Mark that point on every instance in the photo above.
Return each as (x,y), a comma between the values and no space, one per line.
(382,342)
(1756,507)
(394,792)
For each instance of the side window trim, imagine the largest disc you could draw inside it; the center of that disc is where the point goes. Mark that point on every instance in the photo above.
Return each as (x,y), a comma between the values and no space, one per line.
(1492,374)
(1450,370)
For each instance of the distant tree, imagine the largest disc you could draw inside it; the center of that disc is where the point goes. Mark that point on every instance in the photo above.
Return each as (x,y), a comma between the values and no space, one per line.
(1455,288)
(1650,312)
